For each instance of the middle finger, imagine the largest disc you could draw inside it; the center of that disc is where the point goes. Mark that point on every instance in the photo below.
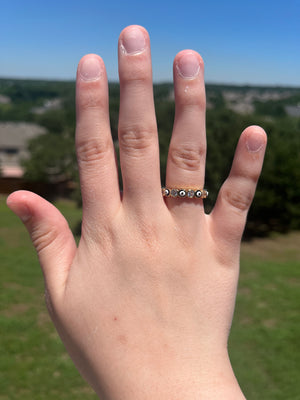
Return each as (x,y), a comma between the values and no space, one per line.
(138,140)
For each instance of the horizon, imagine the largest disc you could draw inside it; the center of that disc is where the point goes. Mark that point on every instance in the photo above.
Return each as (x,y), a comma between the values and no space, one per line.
(114,82)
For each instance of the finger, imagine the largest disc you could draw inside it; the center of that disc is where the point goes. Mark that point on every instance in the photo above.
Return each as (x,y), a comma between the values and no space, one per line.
(50,235)
(95,150)
(187,151)
(229,215)
(138,140)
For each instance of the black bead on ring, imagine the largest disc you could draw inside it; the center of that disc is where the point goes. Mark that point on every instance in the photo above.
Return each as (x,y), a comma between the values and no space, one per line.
(184,193)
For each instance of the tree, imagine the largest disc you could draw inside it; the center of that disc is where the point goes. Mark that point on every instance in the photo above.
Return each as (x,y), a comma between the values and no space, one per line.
(52,157)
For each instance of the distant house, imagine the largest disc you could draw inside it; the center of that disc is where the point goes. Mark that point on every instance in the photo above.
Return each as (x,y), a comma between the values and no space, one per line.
(14,137)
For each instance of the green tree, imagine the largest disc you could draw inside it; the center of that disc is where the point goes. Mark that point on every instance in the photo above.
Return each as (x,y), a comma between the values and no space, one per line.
(277,201)
(52,157)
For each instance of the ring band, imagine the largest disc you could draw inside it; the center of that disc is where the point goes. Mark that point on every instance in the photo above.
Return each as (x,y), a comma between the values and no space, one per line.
(184,193)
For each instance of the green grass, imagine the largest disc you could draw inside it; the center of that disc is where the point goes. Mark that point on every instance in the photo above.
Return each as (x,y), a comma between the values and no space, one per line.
(265,337)
(264,342)
(33,362)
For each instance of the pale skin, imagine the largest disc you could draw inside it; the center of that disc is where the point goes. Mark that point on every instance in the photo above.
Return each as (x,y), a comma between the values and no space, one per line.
(144,304)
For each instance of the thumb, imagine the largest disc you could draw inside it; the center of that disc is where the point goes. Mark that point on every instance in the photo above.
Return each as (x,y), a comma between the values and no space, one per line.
(50,235)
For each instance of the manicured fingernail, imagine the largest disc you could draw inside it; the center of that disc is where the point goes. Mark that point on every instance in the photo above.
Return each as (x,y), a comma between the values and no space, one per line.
(188,66)
(90,69)
(255,142)
(133,41)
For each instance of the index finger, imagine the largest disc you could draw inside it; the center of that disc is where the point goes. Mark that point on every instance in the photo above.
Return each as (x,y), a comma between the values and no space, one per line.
(95,150)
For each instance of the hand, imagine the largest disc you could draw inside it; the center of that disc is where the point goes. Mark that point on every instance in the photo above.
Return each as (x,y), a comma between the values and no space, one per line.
(144,304)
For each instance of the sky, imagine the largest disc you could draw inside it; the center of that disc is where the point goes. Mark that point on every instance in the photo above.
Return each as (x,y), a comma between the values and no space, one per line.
(241,42)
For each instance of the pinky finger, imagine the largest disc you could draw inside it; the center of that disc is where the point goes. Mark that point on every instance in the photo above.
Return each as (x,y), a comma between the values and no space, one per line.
(228,217)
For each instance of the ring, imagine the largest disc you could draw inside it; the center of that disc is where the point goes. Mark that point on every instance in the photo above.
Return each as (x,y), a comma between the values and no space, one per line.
(184,193)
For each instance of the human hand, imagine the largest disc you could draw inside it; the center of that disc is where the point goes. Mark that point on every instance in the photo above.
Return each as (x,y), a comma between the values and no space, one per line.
(144,304)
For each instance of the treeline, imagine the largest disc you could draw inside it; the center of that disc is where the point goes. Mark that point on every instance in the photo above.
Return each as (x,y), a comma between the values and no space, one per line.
(276,204)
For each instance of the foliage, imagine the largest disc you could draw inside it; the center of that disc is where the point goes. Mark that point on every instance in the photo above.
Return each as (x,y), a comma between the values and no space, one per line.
(26,94)
(276,205)
(165,112)
(52,157)
(57,121)
(31,91)
(272,108)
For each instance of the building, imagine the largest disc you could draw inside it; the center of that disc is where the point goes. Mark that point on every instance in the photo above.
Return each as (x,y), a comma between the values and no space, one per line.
(14,137)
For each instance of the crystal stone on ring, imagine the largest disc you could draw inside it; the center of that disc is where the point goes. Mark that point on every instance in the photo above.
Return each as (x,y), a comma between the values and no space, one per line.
(190,193)
(174,192)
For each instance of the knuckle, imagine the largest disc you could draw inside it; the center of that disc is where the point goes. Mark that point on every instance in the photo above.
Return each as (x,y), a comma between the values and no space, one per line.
(140,78)
(137,75)
(239,200)
(92,150)
(193,102)
(133,138)
(187,158)
(253,175)
(42,239)
(90,99)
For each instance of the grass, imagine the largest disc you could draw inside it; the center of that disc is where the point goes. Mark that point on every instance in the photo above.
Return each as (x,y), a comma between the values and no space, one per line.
(264,342)
(33,363)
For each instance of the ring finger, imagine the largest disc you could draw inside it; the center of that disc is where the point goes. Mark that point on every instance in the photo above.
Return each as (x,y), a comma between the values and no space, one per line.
(187,151)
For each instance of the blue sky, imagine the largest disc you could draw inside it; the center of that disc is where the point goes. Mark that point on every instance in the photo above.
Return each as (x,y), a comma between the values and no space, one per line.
(243,42)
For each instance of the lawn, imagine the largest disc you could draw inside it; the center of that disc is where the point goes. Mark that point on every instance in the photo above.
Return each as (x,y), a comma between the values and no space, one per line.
(265,337)
(264,342)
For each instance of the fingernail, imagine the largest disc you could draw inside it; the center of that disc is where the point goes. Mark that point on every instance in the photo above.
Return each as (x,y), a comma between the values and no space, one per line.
(188,66)
(90,69)
(255,142)
(21,211)
(133,41)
